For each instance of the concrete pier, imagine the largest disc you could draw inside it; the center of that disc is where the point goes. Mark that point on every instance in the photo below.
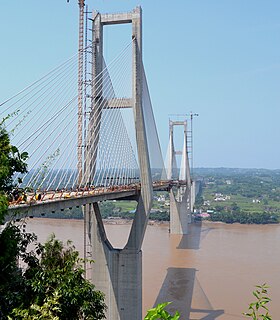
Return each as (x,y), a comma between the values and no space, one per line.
(116,272)
(180,210)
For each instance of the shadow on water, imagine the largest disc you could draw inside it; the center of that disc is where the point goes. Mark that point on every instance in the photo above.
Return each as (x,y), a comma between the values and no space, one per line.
(179,286)
(209,314)
(195,235)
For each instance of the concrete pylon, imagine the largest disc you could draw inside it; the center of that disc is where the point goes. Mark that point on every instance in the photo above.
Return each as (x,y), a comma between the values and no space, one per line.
(181,190)
(172,169)
(178,212)
(118,272)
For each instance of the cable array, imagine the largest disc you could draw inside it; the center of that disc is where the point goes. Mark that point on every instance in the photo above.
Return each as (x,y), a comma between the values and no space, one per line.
(154,149)
(43,121)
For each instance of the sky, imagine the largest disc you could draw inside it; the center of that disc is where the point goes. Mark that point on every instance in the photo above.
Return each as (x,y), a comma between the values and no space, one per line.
(217,58)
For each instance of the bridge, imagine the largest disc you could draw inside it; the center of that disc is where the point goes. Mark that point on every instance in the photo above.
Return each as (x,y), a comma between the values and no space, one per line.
(52,201)
(91,136)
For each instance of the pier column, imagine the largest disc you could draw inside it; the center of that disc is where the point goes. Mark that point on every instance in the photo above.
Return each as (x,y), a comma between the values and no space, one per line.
(116,272)
(180,213)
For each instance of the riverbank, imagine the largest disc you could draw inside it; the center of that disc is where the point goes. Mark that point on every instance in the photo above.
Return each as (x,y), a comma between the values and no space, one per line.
(122,221)
(116,221)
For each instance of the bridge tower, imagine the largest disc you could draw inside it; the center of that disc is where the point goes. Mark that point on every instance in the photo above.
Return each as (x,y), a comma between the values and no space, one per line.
(118,272)
(181,192)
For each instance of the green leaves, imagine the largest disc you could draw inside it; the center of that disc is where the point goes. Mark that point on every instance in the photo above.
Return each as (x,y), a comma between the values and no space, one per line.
(11,160)
(3,207)
(51,287)
(59,270)
(257,308)
(13,289)
(159,313)
(24,156)
(47,311)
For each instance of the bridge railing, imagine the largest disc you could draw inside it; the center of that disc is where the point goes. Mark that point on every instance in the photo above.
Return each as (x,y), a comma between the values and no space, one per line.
(22,196)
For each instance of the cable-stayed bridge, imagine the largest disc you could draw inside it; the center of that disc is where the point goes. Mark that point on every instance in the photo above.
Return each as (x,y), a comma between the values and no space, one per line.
(91,136)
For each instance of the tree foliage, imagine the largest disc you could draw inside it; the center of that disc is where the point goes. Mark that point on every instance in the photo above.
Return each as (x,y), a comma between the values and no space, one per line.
(36,312)
(60,270)
(51,287)
(13,246)
(244,217)
(159,313)
(11,162)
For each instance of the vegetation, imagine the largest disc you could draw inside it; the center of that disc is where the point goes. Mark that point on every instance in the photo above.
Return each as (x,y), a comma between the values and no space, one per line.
(244,217)
(13,246)
(35,312)
(159,312)
(240,195)
(11,161)
(257,308)
(54,283)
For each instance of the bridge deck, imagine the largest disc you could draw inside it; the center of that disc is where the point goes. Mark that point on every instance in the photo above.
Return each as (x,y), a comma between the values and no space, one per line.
(55,201)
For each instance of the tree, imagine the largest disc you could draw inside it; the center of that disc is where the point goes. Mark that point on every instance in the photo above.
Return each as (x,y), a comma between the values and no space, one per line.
(59,273)
(35,312)
(52,284)
(13,244)
(11,162)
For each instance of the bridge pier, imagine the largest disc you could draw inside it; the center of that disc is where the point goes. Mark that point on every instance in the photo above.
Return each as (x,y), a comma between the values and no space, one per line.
(116,272)
(180,210)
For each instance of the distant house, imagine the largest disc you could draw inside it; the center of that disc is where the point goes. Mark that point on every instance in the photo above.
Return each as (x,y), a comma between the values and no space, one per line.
(203,215)
(161,198)
(221,197)
(256,201)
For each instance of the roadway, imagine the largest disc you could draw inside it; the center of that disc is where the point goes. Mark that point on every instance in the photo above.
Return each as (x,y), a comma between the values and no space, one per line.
(53,201)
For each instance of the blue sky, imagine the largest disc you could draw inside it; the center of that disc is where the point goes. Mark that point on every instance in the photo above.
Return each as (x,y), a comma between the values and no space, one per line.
(218,58)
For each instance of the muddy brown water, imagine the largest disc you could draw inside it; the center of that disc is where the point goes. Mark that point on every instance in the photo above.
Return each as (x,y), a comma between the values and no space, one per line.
(208,274)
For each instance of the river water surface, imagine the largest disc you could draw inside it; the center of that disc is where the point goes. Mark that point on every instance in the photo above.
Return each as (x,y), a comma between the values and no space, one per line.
(208,274)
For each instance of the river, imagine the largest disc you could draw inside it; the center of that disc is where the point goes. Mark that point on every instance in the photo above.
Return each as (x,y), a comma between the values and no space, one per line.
(208,274)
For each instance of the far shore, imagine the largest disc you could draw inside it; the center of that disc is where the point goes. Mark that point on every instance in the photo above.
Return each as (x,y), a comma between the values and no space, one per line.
(117,221)
(121,221)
